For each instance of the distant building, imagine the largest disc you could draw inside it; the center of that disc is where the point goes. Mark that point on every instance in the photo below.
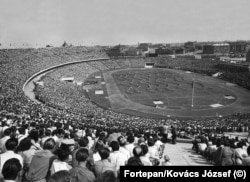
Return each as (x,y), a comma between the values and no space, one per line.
(218,49)
(221,49)
(248,56)
(198,47)
(208,49)
(131,52)
(115,51)
(143,47)
(238,48)
(179,50)
(189,46)
(163,51)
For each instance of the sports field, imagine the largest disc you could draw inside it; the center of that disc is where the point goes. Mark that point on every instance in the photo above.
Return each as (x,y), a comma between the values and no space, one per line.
(170,93)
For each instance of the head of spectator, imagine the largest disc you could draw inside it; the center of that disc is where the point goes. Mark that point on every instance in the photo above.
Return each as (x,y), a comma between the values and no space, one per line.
(82,155)
(144,149)
(41,132)
(239,145)
(122,141)
(166,158)
(11,169)
(60,176)
(34,135)
(49,144)
(134,161)
(21,131)
(60,133)
(141,140)
(137,151)
(7,132)
(32,126)
(130,139)
(11,144)
(151,142)
(115,146)
(63,152)
(83,142)
(226,143)
(107,176)
(47,133)
(219,143)
(24,144)
(104,153)
(98,146)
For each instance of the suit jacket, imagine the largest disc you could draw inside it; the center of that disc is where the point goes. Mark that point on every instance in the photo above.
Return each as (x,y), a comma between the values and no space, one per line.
(102,166)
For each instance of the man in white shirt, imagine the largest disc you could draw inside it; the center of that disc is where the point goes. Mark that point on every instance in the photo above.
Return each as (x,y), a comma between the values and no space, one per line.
(11,145)
(122,149)
(116,157)
(240,151)
(3,140)
(130,146)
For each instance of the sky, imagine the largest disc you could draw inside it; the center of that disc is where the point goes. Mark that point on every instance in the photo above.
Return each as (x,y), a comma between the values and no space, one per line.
(112,22)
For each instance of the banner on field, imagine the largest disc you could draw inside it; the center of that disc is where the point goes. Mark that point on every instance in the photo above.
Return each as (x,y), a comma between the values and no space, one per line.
(99,92)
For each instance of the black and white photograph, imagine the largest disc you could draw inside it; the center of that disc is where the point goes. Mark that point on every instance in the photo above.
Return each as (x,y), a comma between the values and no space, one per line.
(124,90)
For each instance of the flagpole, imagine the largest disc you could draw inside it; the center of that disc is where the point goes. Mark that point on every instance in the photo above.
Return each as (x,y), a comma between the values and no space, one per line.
(192,93)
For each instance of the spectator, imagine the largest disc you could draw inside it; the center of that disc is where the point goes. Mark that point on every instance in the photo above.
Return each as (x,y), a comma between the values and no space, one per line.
(226,155)
(202,146)
(46,137)
(22,134)
(210,150)
(153,150)
(81,172)
(11,145)
(246,160)
(82,143)
(104,164)
(27,151)
(116,157)
(39,169)
(145,156)
(166,161)
(61,163)
(11,170)
(60,176)
(134,161)
(98,146)
(34,136)
(3,140)
(137,151)
(107,176)
(122,149)
(240,151)
(58,136)
(174,134)
(130,145)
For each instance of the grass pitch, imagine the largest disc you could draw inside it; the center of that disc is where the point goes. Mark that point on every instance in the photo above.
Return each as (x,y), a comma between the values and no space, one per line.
(169,93)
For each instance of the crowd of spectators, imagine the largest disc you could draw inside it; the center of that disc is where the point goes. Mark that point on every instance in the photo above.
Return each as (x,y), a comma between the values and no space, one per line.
(223,151)
(42,149)
(34,134)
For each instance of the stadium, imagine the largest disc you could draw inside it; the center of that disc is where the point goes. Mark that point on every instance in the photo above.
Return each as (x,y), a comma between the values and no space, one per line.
(131,87)
(71,92)
(94,91)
